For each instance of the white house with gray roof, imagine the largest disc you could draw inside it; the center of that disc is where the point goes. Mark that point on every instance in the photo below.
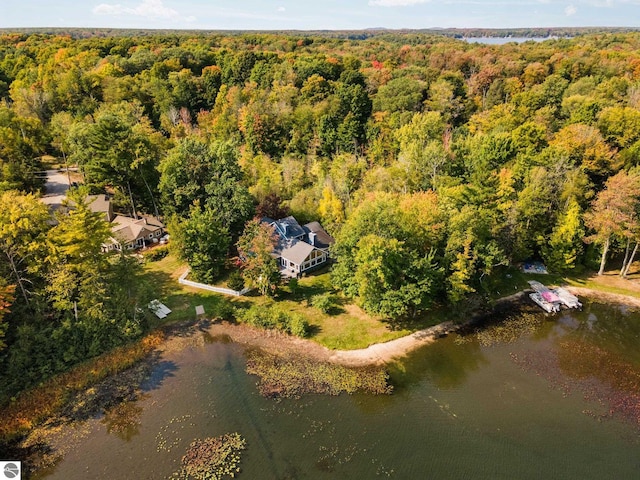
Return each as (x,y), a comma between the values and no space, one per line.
(299,248)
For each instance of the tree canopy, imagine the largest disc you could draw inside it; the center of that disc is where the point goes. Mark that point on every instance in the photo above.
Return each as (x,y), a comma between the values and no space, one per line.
(434,163)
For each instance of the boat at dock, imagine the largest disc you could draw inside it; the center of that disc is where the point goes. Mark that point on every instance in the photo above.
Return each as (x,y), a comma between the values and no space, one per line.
(550,300)
(549,307)
(567,298)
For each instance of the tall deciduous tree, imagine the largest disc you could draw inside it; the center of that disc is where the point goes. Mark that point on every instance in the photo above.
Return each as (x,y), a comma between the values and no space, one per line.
(565,242)
(393,281)
(21,140)
(23,223)
(256,246)
(386,254)
(202,241)
(120,148)
(613,211)
(195,172)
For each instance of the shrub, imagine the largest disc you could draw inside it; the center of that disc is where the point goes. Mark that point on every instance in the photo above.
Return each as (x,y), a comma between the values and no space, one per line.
(324,302)
(298,326)
(274,318)
(157,253)
(294,286)
(235,281)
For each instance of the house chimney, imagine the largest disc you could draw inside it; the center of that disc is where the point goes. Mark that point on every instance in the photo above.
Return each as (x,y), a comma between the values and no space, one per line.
(285,227)
(312,238)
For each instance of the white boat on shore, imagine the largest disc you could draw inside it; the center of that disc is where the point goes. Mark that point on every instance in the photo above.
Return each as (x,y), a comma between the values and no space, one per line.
(550,300)
(567,298)
(549,307)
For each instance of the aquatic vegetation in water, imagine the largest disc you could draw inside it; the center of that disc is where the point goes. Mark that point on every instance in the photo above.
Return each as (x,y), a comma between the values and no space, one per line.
(123,420)
(619,380)
(600,375)
(292,377)
(507,331)
(168,438)
(213,458)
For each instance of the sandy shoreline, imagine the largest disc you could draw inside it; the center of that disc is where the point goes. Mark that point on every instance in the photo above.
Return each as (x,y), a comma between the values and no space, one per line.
(377,354)
(123,386)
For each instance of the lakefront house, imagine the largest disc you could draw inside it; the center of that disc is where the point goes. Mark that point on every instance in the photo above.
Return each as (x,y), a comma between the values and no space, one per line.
(299,249)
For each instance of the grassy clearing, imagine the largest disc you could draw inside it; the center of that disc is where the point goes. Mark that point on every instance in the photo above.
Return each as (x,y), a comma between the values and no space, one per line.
(506,281)
(182,300)
(610,282)
(345,326)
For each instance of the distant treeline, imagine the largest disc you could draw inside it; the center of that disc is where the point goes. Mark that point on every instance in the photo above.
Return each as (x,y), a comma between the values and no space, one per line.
(346,34)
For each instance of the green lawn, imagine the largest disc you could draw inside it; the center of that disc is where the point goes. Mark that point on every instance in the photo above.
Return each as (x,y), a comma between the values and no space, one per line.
(347,327)
(180,299)
(511,280)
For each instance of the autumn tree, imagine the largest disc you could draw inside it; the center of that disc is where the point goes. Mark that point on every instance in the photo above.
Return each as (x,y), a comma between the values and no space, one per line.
(565,246)
(23,225)
(6,299)
(613,211)
(98,299)
(75,283)
(256,246)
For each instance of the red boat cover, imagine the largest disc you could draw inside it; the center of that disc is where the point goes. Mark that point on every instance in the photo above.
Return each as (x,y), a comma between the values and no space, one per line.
(550,297)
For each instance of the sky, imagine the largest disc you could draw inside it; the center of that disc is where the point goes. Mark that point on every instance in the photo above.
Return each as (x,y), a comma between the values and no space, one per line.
(317,15)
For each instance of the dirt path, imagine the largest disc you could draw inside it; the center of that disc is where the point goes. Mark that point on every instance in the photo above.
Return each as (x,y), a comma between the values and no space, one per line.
(281,344)
(605,296)
(56,188)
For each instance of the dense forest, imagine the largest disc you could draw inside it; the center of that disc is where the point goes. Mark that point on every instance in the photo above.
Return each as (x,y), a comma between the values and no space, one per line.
(433,162)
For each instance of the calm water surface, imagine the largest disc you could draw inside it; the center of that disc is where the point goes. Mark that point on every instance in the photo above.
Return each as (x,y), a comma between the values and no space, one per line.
(503,40)
(460,410)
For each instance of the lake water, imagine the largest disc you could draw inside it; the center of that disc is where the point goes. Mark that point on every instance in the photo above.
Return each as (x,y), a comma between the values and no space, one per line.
(503,40)
(534,408)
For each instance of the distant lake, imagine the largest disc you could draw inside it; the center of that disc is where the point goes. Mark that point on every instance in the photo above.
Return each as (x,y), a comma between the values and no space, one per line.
(503,40)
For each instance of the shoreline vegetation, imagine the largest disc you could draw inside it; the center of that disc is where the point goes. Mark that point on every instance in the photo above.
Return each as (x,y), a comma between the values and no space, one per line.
(105,381)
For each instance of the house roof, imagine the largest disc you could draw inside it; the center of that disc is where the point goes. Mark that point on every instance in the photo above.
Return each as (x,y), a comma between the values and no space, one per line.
(129,229)
(127,233)
(289,227)
(298,252)
(323,239)
(98,203)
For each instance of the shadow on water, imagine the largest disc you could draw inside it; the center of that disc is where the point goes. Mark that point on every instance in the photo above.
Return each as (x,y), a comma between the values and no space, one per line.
(123,420)
(250,414)
(160,371)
